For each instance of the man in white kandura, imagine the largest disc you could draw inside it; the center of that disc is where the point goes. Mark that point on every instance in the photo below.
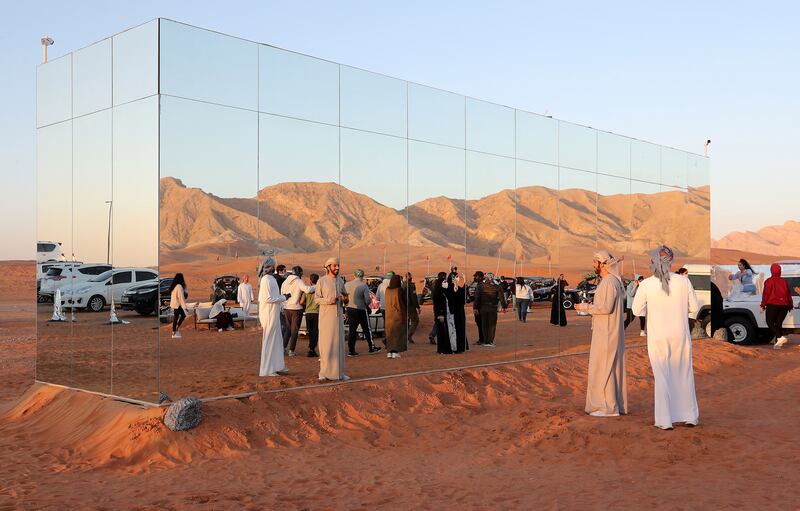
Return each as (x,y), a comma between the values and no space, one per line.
(270,301)
(666,299)
(331,295)
(606,394)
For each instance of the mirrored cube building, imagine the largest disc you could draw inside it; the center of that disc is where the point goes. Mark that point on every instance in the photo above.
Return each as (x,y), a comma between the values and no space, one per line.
(172,149)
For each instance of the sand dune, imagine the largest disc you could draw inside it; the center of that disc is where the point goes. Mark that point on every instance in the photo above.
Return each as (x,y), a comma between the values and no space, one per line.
(511,436)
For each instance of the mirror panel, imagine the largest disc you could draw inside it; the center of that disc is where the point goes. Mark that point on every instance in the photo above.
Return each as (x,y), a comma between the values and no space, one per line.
(298,86)
(435,116)
(54,356)
(613,155)
(135,65)
(208,66)
(645,161)
(374,239)
(134,245)
(490,221)
(91,227)
(436,217)
(578,241)
(674,166)
(537,235)
(537,138)
(373,102)
(208,188)
(54,91)
(490,128)
(91,78)
(577,147)
(299,210)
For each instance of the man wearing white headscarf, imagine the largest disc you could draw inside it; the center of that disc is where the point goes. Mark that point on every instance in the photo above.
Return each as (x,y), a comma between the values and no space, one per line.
(666,299)
(331,295)
(270,301)
(606,394)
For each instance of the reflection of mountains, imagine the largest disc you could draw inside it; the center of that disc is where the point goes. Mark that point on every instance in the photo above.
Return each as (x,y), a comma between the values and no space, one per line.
(309,217)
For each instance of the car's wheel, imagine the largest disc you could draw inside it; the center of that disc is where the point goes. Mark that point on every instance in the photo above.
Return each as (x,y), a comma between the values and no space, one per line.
(741,329)
(42,299)
(96,303)
(705,324)
(568,303)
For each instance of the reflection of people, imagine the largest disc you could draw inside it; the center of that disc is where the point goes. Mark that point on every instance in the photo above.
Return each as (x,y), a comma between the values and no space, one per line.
(606,394)
(776,301)
(293,288)
(456,297)
(330,294)
(667,299)
(244,294)
(440,310)
(396,317)
(312,318)
(630,294)
(717,311)
(270,300)
(413,306)
(223,318)
(177,302)
(488,298)
(477,280)
(524,296)
(381,291)
(745,275)
(358,313)
(557,314)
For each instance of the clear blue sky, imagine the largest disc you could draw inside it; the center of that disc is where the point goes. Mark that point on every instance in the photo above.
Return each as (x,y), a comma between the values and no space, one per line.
(673,74)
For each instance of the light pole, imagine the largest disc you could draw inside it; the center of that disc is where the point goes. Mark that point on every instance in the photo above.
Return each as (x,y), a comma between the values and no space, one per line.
(108,240)
(46,41)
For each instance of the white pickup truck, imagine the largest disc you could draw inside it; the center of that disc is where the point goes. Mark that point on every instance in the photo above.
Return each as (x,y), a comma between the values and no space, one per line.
(742,311)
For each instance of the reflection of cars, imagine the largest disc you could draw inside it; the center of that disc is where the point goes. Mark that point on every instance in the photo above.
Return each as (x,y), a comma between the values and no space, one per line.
(542,287)
(373,281)
(224,286)
(144,298)
(95,294)
(47,251)
(583,291)
(67,275)
(742,314)
(427,289)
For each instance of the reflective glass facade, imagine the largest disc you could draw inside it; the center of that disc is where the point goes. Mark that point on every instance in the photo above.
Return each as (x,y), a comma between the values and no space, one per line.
(152,157)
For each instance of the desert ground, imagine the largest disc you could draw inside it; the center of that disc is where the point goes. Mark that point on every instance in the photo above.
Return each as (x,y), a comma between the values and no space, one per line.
(505,436)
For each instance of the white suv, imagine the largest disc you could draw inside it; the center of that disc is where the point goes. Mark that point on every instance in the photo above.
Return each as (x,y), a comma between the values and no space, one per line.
(49,251)
(98,292)
(700,277)
(742,312)
(65,275)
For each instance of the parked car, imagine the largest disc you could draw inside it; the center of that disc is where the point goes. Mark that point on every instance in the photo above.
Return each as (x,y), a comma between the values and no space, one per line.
(583,291)
(67,275)
(742,314)
(224,286)
(148,298)
(98,292)
(542,287)
(49,251)
(700,277)
(41,271)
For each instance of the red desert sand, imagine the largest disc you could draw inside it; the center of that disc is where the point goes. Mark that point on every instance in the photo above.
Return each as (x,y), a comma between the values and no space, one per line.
(510,436)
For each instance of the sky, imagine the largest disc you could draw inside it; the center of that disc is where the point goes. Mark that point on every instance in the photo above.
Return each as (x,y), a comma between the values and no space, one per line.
(674,74)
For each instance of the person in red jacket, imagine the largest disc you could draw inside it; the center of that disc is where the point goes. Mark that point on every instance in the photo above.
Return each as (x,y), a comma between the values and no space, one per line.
(777,302)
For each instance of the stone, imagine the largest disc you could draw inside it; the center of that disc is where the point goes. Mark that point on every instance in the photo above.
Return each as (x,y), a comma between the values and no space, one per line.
(721,334)
(184,414)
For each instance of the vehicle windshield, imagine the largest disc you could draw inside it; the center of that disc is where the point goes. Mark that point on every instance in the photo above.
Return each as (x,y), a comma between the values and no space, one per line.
(102,277)
(700,282)
(54,272)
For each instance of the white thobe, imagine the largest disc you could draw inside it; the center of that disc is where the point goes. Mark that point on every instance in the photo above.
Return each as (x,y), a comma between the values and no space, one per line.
(606,393)
(244,296)
(669,345)
(269,314)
